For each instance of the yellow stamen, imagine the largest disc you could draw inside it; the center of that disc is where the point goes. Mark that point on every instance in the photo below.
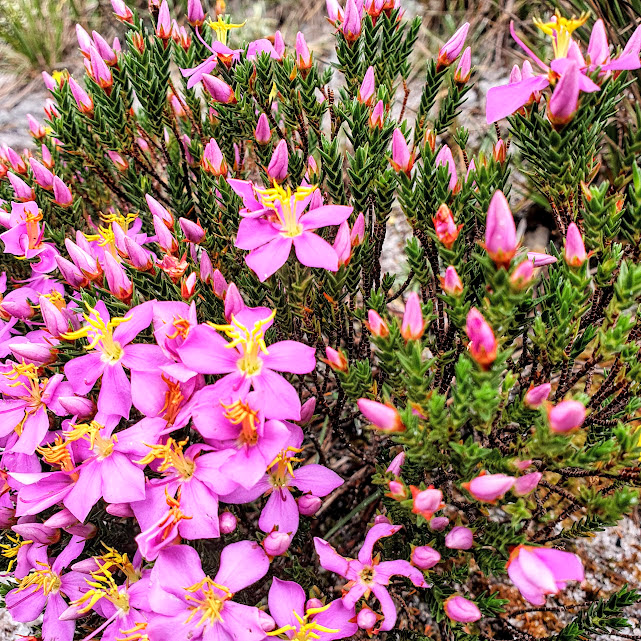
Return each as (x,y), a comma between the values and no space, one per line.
(284,466)
(11,551)
(280,201)
(102,586)
(44,579)
(172,457)
(306,629)
(137,633)
(113,558)
(240,413)
(221,28)
(101,446)
(57,453)
(210,604)
(561,30)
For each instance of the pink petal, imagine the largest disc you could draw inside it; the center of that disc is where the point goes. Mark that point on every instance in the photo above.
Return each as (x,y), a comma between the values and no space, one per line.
(177,567)
(285,598)
(139,318)
(199,502)
(281,399)
(254,232)
(26,605)
(528,590)
(503,101)
(388,608)
(337,617)
(329,558)
(280,510)
(241,495)
(269,258)
(122,481)
(237,618)
(143,358)
(317,479)
(205,351)
(325,216)
(313,251)
(241,565)
(34,431)
(526,48)
(83,372)
(564,566)
(290,356)
(86,491)
(52,626)
(115,392)
(400,568)
(375,533)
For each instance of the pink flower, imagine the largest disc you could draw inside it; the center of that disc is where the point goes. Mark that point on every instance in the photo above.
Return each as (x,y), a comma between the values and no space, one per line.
(247,362)
(275,219)
(459,538)
(539,259)
(184,597)
(413,325)
(351,21)
(461,610)
(527,483)
(565,98)
(446,229)
(537,572)
(500,231)
(575,254)
(262,133)
(567,416)
(384,417)
(483,345)
(308,621)
(444,158)
(535,396)
(367,90)
(488,488)
(451,50)
(367,576)
(110,353)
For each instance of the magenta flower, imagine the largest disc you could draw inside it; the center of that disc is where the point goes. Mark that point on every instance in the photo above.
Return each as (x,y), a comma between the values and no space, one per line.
(535,396)
(275,219)
(383,417)
(537,572)
(111,352)
(298,621)
(281,510)
(183,598)
(483,346)
(279,163)
(368,575)
(44,588)
(451,50)
(247,362)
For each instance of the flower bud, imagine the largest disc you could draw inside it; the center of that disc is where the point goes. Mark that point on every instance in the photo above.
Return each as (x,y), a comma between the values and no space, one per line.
(525,484)
(336,359)
(351,22)
(233,301)
(444,158)
(99,70)
(158,210)
(367,89)
(188,286)
(193,232)
(213,161)
(163,236)
(461,610)
(446,229)
(122,11)
(121,163)
(307,411)
(163,22)
(47,159)
(567,416)
(54,320)
(357,235)
(279,45)
(483,345)
(41,174)
(397,490)
(78,406)
(499,151)
(303,56)
(564,100)
(21,190)
(140,258)
(451,283)
(464,69)
(575,254)
(36,353)
(539,259)
(459,538)
(72,275)
(36,129)
(500,231)
(84,40)
(438,523)
(382,417)
(334,11)
(207,271)
(262,133)
(342,244)
(105,51)
(18,308)
(451,50)
(402,159)
(426,502)
(376,324)
(279,163)
(413,325)
(219,284)
(227,522)
(195,13)
(522,275)
(395,466)
(366,619)
(535,396)
(218,89)
(381,518)
(61,193)
(276,543)
(50,83)
(425,557)
(488,488)
(308,504)
(377,117)
(117,280)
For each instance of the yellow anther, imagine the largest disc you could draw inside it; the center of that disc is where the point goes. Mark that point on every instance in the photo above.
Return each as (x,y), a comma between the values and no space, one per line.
(284,465)
(102,586)
(137,633)
(113,558)
(306,630)
(57,453)
(221,28)
(44,579)
(171,456)
(560,29)
(209,604)
(11,551)
(284,204)
(240,413)
(101,446)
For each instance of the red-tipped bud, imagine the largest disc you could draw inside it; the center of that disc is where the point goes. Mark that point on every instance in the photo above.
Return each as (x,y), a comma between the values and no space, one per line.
(488,488)
(262,133)
(451,283)
(192,231)
(451,50)
(163,22)
(500,231)
(61,193)
(213,161)
(122,11)
(413,324)
(121,163)
(383,417)
(522,275)
(188,286)
(446,229)
(483,346)
(303,55)
(377,117)
(367,90)
(536,396)
(575,254)
(402,158)
(336,359)
(464,69)
(218,89)
(279,163)
(376,324)
(352,22)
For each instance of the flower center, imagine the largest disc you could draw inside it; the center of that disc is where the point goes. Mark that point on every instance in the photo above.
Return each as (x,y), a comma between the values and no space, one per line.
(560,30)
(251,343)
(101,446)
(281,468)
(173,401)
(44,579)
(240,413)
(285,206)
(57,453)
(11,551)
(306,630)
(32,385)
(102,586)
(208,599)
(367,574)
(171,456)
(34,233)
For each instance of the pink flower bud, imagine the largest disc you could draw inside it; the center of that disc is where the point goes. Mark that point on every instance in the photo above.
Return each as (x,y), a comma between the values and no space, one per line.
(438,523)
(99,69)
(61,193)
(381,518)
(140,258)
(121,510)
(122,11)
(303,56)
(163,22)
(158,210)
(351,22)
(464,69)
(193,232)
(500,231)
(425,557)
(84,40)
(213,161)
(188,286)
(117,280)
(36,353)
(227,522)
(82,98)
(461,610)
(483,345)
(459,538)
(357,235)
(539,259)
(426,502)
(575,254)
(451,283)
(50,109)
(515,75)
(47,159)
(382,417)
(402,159)
(279,45)
(50,83)
(446,229)
(163,236)
(218,89)
(413,325)
(376,324)
(307,411)
(308,504)
(262,133)
(72,275)
(105,51)
(219,284)
(444,158)
(21,190)
(36,129)
(41,174)
(207,271)
(567,416)
(367,89)
(55,321)
(78,406)
(15,160)
(397,490)
(451,50)
(18,308)
(564,100)
(121,163)
(522,275)
(377,117)
(342,244)
(366,619)
(334,11)
(525,484)
(395,466)
(336,360)
(279,163)
(535,396)
(276,543)
(488,488)
(195,13)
